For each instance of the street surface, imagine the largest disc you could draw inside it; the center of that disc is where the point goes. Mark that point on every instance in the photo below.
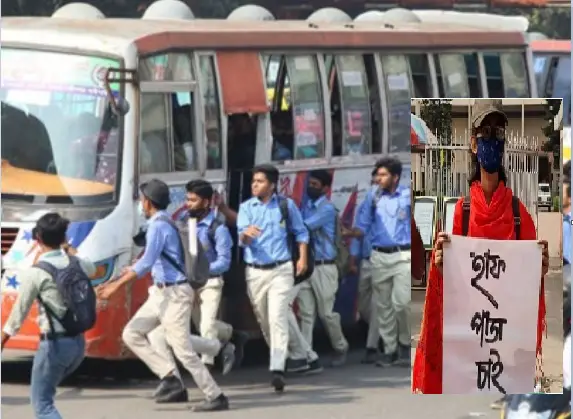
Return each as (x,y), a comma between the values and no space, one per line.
(352,391)
(552,343)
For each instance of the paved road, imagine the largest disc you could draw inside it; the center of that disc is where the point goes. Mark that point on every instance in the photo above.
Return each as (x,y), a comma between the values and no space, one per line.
(352,391)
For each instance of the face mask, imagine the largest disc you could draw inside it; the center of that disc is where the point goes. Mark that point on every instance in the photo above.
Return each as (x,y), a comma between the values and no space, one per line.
(490,153)
(313,193)
(197,212)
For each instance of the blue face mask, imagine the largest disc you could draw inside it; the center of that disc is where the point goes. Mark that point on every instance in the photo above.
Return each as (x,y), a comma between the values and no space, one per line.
(490,153)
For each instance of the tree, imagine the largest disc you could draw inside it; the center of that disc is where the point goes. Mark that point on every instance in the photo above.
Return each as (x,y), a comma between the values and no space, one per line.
(437,114)
(552,133)
(553,22)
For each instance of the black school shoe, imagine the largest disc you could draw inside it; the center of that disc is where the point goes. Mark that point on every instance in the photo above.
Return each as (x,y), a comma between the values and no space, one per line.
(171,390)
(215,405)
(278,381)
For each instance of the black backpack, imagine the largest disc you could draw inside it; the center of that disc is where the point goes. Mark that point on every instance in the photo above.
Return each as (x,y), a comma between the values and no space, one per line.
(293,246)
(78,295)
(516,216)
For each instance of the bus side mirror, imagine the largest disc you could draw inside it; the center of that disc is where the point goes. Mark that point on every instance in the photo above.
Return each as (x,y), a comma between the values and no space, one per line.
(119,105)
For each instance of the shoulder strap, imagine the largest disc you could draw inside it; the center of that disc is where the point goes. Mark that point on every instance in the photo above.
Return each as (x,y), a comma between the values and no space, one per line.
(516,217)
(48,268)
(164,254)
(53,272)
(211,231)
(466,215)
(283,205)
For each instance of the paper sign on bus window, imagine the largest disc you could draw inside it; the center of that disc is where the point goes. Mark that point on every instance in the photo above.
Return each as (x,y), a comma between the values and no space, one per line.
(454,79)
(398,82)
(28,97)
(351,78)
(302,63)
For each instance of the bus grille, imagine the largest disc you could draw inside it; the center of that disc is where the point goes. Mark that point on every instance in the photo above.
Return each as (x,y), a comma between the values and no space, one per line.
(8,237)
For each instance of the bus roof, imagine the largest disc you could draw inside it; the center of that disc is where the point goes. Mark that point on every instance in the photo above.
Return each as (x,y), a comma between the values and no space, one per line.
(115,36)
(560,46)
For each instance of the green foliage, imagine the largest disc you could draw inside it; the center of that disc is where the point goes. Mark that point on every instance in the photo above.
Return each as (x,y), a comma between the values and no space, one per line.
(553,22)
(437,114)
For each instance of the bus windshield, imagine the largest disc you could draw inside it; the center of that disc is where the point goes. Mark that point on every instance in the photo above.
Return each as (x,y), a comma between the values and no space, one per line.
(60,140)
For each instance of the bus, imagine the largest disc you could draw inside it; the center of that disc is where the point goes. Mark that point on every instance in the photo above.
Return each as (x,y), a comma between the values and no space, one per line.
(92,107)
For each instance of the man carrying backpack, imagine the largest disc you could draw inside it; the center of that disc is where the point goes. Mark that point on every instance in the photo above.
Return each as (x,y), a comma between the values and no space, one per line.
(388,218)
(216,239)
(67,308)
(168,306)
(264,234)
(317,295)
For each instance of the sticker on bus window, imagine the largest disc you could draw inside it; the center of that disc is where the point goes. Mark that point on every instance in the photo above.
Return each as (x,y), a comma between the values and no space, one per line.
(397,81)
(352,78)
(302,63)
(29,97)
(455,79)
(306,139)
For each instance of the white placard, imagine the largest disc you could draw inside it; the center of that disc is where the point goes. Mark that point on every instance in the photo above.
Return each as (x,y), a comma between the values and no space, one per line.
(192,230)
(511,284)
(352,78)
(450,207)
(424,217)
(397,81)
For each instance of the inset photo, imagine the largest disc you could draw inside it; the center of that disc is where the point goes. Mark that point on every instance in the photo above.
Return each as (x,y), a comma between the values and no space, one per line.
(487,273)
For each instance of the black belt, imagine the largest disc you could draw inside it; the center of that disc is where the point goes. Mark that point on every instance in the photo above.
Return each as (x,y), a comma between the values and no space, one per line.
(162,285)
(267,266)
(324,262)
(56,335)
(391,249)
(367,259)
(215,276)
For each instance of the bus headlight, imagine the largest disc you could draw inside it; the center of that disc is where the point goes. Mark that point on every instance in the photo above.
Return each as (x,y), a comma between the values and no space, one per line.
(104,271)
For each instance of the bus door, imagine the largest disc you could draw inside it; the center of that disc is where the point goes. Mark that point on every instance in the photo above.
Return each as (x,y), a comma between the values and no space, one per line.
(243,109)
(171,144)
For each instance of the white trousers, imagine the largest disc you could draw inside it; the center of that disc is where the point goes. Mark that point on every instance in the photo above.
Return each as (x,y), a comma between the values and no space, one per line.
(392,290)
(169,310)
(269,292)
(316,296)
(205,315)
(367,304)
(298,347)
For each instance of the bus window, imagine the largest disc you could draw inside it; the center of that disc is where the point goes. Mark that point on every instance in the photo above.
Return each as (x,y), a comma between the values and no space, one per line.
(163,149)
(540,68)
(355,100)
(559,84)
(398,93)
(473,75)
(335,105)
(515,81)
(306,106)
(166,67)
(375,104)
(452,75)
(493,74)
(211,108)
(420,70)
(506,74)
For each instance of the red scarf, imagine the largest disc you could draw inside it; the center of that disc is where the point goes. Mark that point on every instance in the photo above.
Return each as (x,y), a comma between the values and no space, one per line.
(494,221)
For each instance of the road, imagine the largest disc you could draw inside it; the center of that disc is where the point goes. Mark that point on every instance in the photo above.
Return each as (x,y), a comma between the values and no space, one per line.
(352,391)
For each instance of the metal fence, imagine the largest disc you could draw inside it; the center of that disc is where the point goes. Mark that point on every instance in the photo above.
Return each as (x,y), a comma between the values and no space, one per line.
(443,168)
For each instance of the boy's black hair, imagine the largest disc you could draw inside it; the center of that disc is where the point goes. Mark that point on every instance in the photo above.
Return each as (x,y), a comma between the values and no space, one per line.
(270,172)
(390,163)
(51,230)
(201,188)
